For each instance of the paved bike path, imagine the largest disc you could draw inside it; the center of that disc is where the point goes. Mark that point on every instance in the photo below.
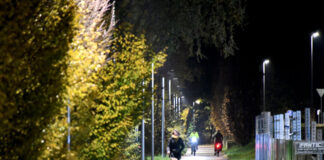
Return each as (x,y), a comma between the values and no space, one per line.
(204,152)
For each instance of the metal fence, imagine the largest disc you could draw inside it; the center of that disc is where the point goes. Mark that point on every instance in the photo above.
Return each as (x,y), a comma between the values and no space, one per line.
(278,137)
(267,148)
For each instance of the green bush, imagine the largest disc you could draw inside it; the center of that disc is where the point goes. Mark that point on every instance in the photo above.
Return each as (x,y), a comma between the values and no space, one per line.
(166,157)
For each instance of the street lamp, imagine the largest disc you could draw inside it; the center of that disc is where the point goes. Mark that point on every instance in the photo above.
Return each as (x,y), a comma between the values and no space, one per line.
(163,118)
(314,35)
(152,119)
(193,113)
(265,62)
(143,127)
(198,101)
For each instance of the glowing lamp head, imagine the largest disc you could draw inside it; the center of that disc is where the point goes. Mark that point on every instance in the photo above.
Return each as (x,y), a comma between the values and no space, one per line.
(315,34)
(266,62)
(198,101)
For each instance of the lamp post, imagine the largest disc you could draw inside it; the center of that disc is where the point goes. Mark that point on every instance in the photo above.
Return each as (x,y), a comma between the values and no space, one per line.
(143,127)
(265,62)
(193,110)
(193,113)
(176,106)
(179,107)
(162,130)
(69,130)
(152,120)
(314,35)
(170,99)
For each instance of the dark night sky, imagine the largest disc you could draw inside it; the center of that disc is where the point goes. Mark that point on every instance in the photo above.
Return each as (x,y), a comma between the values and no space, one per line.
(275,30)
(281,32)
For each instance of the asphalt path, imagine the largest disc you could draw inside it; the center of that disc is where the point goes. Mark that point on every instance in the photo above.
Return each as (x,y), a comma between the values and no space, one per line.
(204,152)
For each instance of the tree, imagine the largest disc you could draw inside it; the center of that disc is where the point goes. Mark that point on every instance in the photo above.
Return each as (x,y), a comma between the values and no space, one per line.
(105,73)
(86,56)
(235,100)
(186,27)
(189,23)
(119,99)
(35,37)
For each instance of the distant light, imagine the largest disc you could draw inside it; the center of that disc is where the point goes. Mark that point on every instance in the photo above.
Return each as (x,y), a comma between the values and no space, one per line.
(315,34)
(198,101)
(266,61)
(318,112)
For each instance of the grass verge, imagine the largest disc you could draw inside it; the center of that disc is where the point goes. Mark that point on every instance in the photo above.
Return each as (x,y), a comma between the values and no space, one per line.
(158,158)
(237,152)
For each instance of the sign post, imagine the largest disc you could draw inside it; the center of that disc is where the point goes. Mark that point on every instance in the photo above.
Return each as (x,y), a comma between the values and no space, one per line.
(320,93)
(304,147)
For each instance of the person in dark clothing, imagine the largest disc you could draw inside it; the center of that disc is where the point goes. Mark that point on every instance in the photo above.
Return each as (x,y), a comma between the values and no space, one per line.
(218,142)
(218,137)
(175,145)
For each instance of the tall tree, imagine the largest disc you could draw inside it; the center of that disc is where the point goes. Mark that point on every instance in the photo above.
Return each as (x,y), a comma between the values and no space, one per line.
(119,98)
(190,23)
(87,55)
(34,38)
(185,27)
(105,73)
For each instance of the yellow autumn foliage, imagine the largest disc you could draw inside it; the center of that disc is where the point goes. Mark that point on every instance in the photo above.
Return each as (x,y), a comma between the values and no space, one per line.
(120,92)
(34,40)
(104,90)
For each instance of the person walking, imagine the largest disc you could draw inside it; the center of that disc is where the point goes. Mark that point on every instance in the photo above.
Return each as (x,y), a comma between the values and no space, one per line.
(175,145)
